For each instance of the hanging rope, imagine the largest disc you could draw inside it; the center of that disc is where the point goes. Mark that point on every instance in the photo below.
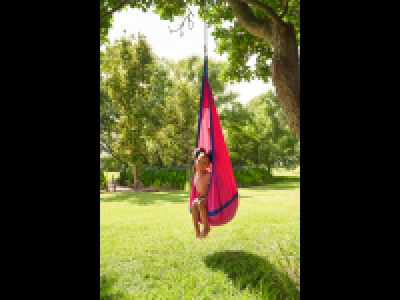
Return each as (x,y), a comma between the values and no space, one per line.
(190,22)
(205,31)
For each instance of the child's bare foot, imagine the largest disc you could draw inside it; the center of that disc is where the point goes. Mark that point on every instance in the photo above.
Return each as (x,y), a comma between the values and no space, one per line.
(205,232)
(198,234)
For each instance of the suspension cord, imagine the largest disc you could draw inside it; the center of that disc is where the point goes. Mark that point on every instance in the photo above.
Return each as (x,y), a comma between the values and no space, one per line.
(205,31)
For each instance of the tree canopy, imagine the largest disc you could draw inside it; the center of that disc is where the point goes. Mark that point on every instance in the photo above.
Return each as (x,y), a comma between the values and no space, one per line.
(129,68)
(149,106)
(269,29)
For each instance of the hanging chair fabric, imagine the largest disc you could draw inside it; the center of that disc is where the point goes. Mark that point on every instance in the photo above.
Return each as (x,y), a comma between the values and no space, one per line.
(222,200)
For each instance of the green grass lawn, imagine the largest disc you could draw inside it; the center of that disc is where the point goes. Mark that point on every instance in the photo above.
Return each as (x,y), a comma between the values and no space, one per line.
(148,248)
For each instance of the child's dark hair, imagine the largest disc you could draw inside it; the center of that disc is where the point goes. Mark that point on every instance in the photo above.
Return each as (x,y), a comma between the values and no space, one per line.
(202,150)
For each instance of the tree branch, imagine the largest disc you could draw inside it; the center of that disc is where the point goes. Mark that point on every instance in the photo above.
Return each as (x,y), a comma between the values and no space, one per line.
(183,22)
(114,10)
(298,4)
(265,8)
(108,149)
(285,9)
(260,28)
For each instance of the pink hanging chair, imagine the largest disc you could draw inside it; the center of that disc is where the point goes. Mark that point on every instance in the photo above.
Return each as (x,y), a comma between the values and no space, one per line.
(223,199)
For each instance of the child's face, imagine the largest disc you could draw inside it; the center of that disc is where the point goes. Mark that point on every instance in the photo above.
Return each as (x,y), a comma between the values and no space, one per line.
(203,163)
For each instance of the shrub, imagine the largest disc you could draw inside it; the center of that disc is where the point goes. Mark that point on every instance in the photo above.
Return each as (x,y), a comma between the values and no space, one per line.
(188,187)
(246,176)
(173,177)
(176,177)
(238,177)
(125,177)
(103,180)
(157,183)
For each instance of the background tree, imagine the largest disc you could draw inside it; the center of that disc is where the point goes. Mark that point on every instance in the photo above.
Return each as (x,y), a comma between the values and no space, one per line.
(257,134)
(235,122)
(130,71)
(109,115)
(108,112)
(159,91)
(275,140)
(269,29)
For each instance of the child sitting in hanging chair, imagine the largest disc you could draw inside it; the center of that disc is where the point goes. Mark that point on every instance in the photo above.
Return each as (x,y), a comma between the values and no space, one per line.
(202,161)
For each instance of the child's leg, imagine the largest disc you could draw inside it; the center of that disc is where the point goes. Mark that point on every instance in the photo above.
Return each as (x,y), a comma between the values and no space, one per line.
(204,217)
(195,216)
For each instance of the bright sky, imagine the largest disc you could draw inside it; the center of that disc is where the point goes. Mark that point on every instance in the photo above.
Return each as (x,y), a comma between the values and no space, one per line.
(173,46)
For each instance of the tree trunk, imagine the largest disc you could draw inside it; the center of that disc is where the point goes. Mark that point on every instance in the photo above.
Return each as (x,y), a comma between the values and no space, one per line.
(285,72)
(293,149)
(159,160)
(135,180)
(268,153)
(285,67)
(188,170)
(114,184)
(188,157)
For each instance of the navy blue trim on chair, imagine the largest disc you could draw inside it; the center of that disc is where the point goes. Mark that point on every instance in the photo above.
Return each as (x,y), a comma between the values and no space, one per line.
(211,134)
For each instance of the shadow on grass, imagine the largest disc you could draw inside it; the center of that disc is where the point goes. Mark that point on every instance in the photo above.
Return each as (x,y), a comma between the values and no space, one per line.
(146,198)
(280,183)
(278,179)
(106,289)
(277,186)
(149,198)
(247,269)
